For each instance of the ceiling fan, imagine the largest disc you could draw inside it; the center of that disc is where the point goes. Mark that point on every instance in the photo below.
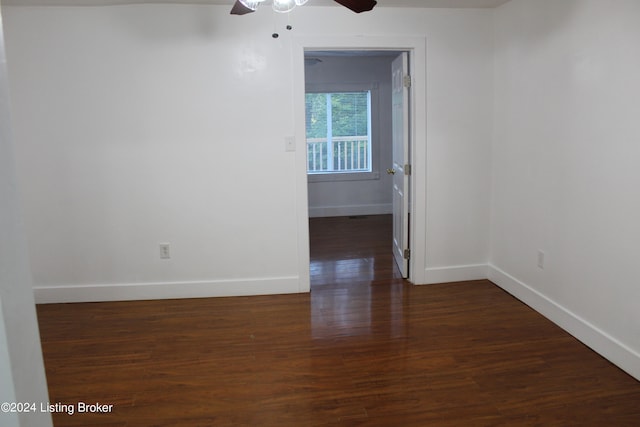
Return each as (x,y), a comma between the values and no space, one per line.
(241,7)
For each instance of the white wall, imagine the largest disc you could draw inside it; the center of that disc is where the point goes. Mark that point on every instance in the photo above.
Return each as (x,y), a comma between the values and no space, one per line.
(7,384)
(22,377)
(565,167)
(362,197)
(147,124)
(166,123)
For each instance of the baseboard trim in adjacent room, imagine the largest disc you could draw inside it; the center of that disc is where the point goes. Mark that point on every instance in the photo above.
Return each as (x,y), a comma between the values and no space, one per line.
(166,290)
(599,341)
(349,210)
(456,273)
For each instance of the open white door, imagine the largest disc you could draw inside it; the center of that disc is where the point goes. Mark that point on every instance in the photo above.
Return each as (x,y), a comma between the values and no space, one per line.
(401,168)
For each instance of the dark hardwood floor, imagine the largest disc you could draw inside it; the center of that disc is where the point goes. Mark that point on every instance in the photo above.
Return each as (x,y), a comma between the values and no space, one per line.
(363,348)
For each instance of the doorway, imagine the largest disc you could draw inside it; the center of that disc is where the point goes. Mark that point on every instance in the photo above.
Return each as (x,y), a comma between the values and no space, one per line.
(356,181)
(313,49)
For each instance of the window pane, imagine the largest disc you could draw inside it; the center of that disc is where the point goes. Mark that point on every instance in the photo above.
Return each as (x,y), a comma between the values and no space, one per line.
(349,113)
(316,117)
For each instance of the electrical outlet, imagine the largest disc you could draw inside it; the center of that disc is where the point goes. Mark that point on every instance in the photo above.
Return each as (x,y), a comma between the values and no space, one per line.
(541,260)
(164,251)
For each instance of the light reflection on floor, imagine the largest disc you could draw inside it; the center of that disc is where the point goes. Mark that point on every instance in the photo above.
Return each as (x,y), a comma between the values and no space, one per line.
(344,311)
(352,271)
(336,271)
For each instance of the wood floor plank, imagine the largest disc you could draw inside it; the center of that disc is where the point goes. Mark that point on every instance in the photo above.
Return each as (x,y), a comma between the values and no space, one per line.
(364,348)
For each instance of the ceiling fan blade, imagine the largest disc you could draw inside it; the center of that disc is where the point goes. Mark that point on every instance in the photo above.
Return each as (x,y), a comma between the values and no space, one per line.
(358,6)
(240,9)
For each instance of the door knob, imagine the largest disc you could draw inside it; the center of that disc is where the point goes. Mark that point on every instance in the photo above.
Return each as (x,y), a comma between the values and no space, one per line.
(391,171)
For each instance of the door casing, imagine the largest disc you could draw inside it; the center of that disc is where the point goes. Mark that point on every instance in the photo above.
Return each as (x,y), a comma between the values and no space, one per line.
(416,48)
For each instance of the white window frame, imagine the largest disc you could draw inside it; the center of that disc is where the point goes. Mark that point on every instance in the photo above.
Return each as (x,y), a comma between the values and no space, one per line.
(374,136)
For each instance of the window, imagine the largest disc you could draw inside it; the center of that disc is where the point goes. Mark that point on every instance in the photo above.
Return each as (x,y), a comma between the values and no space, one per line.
(339,132)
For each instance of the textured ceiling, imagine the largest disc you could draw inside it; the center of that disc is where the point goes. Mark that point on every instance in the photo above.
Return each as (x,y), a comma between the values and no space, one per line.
(382,3)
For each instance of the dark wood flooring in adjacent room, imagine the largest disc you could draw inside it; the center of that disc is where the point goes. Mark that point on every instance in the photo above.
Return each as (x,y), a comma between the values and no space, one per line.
(363,348)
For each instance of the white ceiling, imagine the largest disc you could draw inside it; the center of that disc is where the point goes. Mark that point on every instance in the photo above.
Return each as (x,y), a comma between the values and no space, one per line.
(381,3)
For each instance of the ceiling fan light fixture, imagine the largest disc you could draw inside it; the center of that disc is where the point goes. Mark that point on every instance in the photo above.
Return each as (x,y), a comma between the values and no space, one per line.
(242,7)
(283,6)
(251,4)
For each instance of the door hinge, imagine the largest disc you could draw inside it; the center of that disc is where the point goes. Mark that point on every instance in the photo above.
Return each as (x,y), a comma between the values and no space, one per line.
(407,169)
(407,253)
(407,81)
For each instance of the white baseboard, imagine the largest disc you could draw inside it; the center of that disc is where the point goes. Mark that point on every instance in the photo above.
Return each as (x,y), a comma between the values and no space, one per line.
(349,210)
(456,273)
(601,342)
(166,290)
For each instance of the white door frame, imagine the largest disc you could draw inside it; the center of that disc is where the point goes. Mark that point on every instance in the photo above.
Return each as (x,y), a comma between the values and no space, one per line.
(416,46)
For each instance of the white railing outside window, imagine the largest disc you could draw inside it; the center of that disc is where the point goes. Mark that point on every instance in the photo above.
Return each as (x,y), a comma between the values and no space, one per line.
(348,154)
